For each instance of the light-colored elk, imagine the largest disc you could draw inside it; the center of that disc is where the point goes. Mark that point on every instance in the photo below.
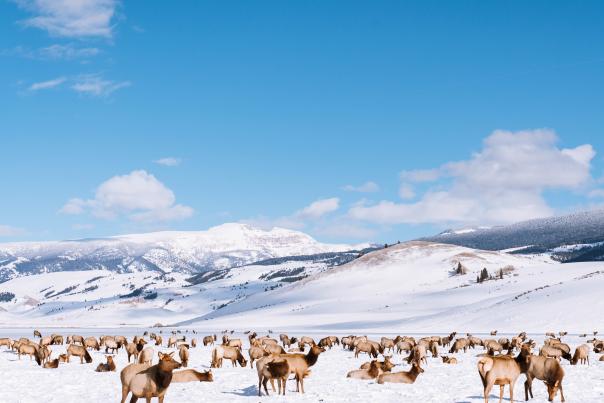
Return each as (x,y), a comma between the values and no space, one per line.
(402,377)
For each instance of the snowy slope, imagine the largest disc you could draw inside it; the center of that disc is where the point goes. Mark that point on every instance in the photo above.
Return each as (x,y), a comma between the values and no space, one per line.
(412,287)
(219,247)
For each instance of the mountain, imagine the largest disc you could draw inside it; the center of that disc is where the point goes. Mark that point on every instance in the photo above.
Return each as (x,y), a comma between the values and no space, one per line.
(569,238)
(192,252)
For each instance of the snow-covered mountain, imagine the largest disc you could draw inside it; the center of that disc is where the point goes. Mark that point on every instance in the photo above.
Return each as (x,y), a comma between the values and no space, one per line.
(570,238)
(220,247)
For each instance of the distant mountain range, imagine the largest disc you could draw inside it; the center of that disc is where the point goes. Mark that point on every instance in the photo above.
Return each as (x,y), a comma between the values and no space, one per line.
(193,252)
(569,238)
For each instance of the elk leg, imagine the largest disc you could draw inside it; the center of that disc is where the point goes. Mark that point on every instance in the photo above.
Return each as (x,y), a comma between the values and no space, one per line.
(133,399)
(561,393)
(511,392)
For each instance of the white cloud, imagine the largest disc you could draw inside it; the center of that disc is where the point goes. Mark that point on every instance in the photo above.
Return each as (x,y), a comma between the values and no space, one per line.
(318,208)
(597,193)
(502,183)
(406,192)
(367,187)
(45,85)
(168,161)
(138,195)
(66,52)
(71,18)
(7,230)
(97,86)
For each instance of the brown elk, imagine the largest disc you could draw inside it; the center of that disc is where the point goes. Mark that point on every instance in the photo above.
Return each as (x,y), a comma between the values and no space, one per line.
(370,347)
(449,360)
(208,340)
(75,339)
(304,340)
(52,364)
(193,343)
(91,342)
(109,366)
(546,369)
(459,344)
(274,368)
(27,349)
(6,341)
(190,375)
(133,349)
(43,355)
(183,353)
(372,372)
(500,370)
(286,340)
(146,381)
(300,363)
(146,356)
(581,355)
(228,352)
(385,365)
(78,351)
(256,353)
(401,377)
(235,343)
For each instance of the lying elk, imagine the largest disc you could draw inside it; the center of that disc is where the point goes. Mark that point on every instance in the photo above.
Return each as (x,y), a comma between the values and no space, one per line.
(52,364)
(148,381)
(372,372)
(109,366)
(190,375)
(449,360)
(402,377)
(385,365)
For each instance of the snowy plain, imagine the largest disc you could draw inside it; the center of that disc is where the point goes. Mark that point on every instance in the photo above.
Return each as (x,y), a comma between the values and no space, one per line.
(24,382)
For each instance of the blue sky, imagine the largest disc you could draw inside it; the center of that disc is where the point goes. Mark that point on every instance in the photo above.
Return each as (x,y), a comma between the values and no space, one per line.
(350,120)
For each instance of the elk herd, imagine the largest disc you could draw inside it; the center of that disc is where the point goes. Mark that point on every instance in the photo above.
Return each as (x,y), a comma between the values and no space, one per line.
(499,361)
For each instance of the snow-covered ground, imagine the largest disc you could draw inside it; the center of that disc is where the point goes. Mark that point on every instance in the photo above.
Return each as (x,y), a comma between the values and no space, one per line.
(24,382)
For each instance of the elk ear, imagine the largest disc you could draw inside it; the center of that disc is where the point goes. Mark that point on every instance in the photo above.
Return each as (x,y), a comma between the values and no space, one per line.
(160,355)
(556,384)
(171,354)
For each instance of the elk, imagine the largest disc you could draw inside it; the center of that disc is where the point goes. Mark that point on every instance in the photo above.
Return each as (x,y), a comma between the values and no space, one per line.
(75,339)
(146,356)
(403,346)
(459,344)
(27,349)
(228,352)
(500,370)
(91,342)
(418,353)
(183,353)
(56,339)
(52,364)
(109,343)
(385,365)
(208,340)
(581,355)
(325,342)
(6,341)
(235,343)
(300,363)
(148,381)
(369,347)
(273,369)
(274,349)
(449,360)
(401,377)
(79,351)
(255,354)
(372,372)
(37,334)
(190,375)
(494,333)
(109,366)
(286,340)
(193,343)
(304,340)
(43,354)
(133,349)
(546,369)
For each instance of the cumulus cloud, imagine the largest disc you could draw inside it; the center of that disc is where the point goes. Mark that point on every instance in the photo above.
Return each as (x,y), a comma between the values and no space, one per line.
(137,195)
(7,230)
(168,161)
(71,18)
(502,183)
(318,209)
(367,187)
(97,86)
(45,85)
